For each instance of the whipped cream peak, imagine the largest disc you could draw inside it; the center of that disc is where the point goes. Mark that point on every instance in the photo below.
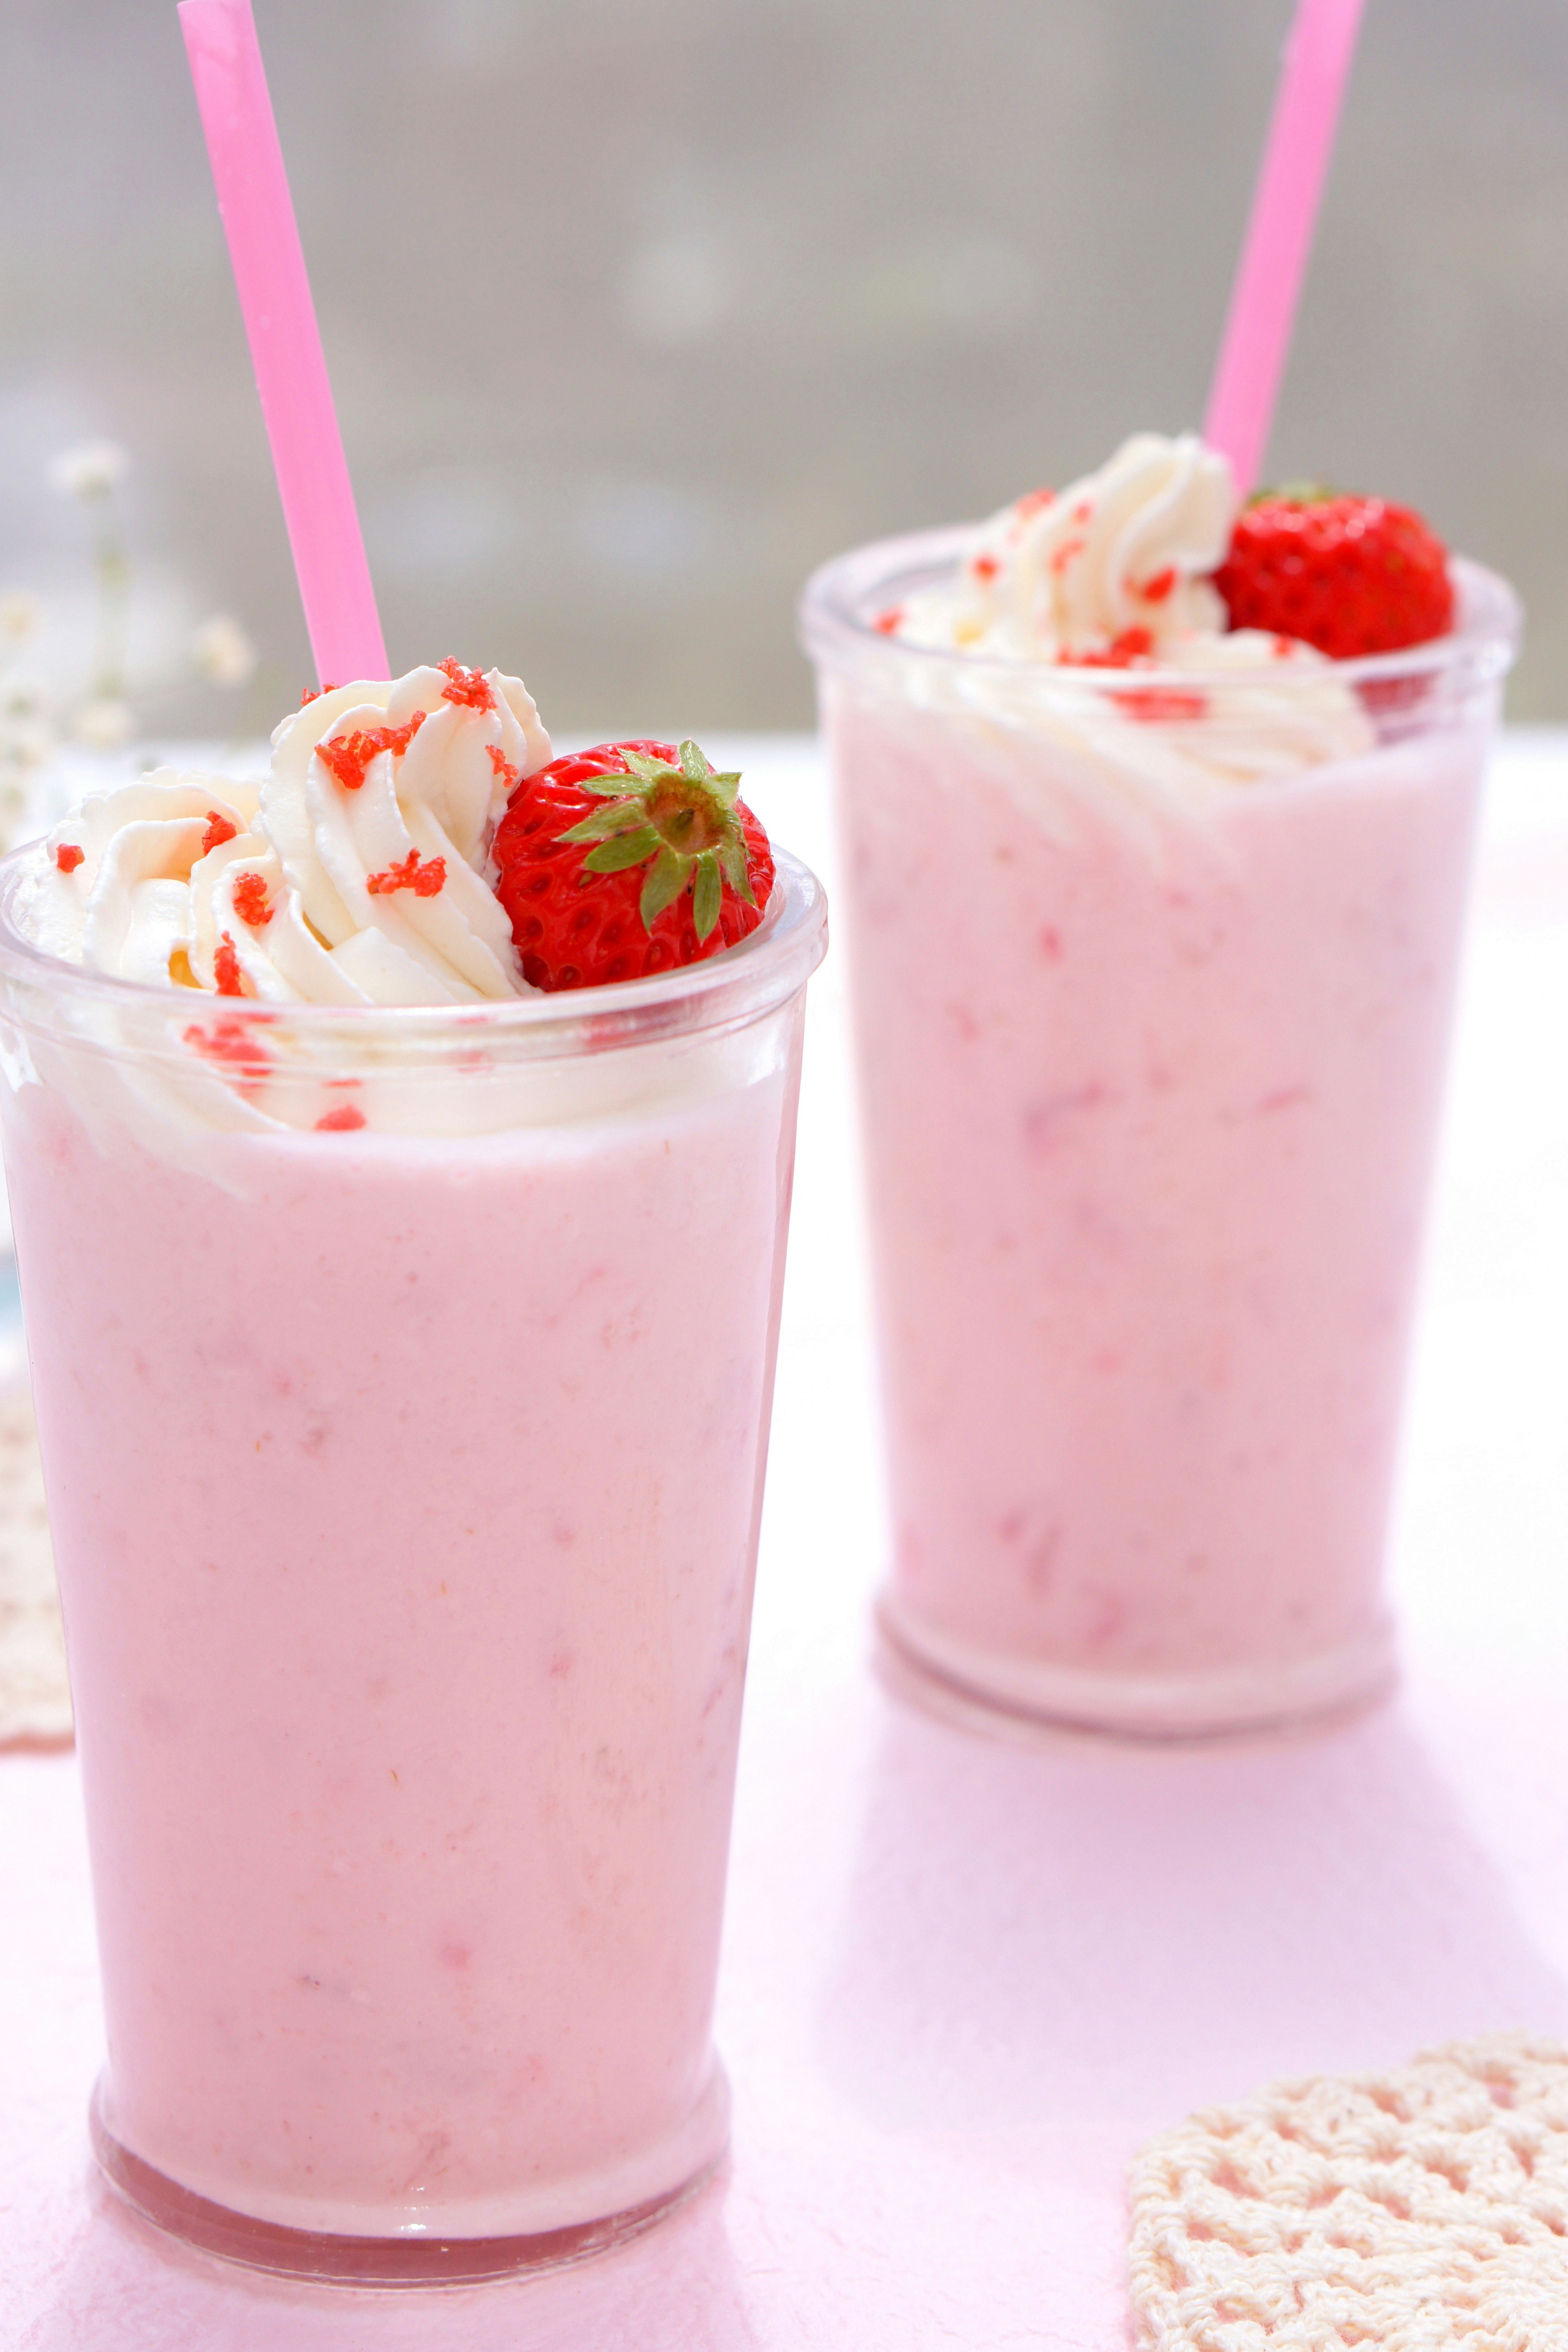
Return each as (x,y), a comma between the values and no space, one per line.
(1115,567)
(1111,579)
(358,872)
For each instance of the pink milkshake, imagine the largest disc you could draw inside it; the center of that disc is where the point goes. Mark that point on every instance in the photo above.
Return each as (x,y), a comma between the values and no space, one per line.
(1153,962)
(403,1368)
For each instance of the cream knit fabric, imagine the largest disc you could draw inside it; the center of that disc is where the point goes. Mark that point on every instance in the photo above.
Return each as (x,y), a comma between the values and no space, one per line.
(1411,2212)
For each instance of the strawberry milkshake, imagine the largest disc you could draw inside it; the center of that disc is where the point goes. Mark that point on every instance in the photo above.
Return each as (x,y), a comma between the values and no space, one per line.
(401,1335)
(1155,911)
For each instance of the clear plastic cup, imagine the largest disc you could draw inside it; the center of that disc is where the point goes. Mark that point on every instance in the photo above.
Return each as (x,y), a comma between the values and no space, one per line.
(1153,1001)
(403,1381)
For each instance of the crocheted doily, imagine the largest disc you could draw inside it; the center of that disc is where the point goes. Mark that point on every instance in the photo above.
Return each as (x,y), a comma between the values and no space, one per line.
(1410,2211)
(35,1697)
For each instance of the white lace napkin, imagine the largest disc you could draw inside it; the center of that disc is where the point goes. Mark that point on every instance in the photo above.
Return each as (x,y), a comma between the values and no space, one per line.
(1409,2212)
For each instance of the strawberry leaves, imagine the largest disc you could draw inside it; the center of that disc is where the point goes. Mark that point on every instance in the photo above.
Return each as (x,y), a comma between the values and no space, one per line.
(663,887)
(607,860)
(623,849)
(707,894)
(680,822)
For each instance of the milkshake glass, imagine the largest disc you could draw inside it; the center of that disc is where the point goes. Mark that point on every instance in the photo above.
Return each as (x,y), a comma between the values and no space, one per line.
(403,1380)
(1152,975)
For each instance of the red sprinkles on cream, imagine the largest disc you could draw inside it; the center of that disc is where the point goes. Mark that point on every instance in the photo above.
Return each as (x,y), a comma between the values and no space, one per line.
(349,756)
(1132,645)
(227,976)
(427,880)
(1161,706)
(218,830)
(471,687)
(250,901)
(231,1042)
(68,857)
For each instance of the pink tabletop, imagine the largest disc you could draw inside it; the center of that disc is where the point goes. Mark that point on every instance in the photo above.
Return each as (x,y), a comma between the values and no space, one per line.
(963,1980)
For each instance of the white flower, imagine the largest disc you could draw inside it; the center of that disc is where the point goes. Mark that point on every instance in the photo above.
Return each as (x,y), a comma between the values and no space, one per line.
(91,470)
(104,725)
(223,651)
(19,617)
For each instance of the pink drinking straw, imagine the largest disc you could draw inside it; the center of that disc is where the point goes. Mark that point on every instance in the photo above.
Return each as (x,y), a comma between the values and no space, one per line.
(285,341)
(1279,234)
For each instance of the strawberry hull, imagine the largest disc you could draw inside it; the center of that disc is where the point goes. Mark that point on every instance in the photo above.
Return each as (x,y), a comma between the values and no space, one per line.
(404,1481)
(1151,1076)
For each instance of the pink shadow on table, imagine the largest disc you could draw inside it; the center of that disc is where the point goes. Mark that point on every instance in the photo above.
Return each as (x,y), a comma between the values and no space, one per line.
(1100,1939)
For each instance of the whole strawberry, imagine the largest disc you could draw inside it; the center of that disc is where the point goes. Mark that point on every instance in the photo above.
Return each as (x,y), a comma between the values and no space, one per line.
(1350,575)
(626,860)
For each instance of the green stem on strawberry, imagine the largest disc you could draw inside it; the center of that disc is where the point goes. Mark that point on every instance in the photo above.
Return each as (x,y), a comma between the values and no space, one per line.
(681,818)
(627,860)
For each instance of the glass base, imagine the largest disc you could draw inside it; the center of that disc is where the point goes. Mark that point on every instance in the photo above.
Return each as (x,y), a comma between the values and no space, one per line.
(423,2259)
(1019,1697)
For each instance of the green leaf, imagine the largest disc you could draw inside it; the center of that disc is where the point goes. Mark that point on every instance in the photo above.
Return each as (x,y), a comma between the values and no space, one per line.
(664,886)
(707,894)
(732,859)
(628,849)
(613,788)
(693,763)
(618,818)
(648,771)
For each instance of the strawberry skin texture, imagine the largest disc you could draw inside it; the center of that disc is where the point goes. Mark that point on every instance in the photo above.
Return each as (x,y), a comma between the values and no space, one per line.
(1350,575)
(576,929)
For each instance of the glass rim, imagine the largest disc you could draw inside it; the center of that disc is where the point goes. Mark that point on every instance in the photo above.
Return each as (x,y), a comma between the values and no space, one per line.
(42,991)
(834,624)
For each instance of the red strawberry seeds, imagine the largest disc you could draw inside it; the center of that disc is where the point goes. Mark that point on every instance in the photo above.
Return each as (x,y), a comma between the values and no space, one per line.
(627,860)
(1350,575)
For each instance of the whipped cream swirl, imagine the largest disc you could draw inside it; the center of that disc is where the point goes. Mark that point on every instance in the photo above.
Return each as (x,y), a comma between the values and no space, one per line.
(357,873)
(1114,575)
(1117,562)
